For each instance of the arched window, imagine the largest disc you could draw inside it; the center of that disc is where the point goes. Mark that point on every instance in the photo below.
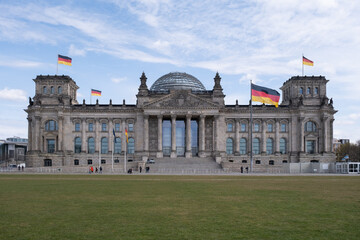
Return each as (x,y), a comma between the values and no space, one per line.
(316,91)
(269,146)
(270,127)
(77,145)
(104,145)
(282,146)
(52,90)
(256,146)
(229,127)
(229,146)
(301,91)
(310,126)
(44,90)
(91,145)
(256,127)
(283,127)
(131,146)
(51,125)
(117,145)
(76,162)
(59,90)
(243,146)
(308,91)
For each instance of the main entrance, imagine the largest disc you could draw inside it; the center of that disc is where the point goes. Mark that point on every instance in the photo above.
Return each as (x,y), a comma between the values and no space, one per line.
(180,139)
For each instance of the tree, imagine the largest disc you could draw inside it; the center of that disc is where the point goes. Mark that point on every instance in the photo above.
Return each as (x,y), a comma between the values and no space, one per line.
(350,149)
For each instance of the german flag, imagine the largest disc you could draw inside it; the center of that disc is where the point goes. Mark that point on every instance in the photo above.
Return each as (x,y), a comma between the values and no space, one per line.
(64,60)
(127,139)
(264,95)
(95,92)
(307,62)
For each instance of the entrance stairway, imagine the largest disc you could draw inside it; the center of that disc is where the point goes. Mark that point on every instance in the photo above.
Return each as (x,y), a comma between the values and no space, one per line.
(182,165)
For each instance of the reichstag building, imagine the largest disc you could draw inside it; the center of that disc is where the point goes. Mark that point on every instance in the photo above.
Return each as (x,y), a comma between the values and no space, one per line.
(177,118)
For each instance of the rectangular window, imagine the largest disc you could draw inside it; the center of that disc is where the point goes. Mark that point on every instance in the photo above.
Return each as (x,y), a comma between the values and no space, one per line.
(77,127)
(50,145)
(229,127)
(283,127)
(270,127)
(117,127)
(256,127)
(91,127)
(131,127)
(243,127)
(103,127)
(310,146)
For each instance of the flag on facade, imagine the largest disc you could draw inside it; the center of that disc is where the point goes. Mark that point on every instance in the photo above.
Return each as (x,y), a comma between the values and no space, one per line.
(307,62)
(127,140)
(264,95)
(64,60)
(114,135)
(95,92)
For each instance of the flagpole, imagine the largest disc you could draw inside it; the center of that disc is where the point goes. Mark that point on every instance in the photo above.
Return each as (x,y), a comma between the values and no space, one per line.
(302,63)
(57,65)
(90,96)
(99,153)
(112,155)
(125,157)
(251,126)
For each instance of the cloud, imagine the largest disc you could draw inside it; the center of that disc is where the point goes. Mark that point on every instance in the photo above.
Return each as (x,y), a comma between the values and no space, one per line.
(119,79)
(20,64)
(13,94)
(74,51)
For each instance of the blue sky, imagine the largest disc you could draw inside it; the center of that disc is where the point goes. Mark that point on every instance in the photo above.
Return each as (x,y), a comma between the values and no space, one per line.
(111,42)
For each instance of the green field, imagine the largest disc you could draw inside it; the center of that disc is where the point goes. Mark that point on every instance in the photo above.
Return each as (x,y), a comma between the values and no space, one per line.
(179,207)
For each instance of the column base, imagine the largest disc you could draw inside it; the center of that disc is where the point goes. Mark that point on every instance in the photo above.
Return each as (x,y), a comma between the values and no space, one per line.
(173,155)
(159,155)
(202,154)
(188,154)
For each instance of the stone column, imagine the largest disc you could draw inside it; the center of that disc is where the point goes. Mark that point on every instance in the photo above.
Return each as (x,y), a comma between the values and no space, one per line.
(37,133)
(173,136)
(277,140)
(110,136)
(123,136)
(60,134)
(83,135)
(97,135)
(325,136)
(263,136)
(301,135)
(159,153)
(30,140)
(146,133)
(188,153)
(202,136)
(237,137)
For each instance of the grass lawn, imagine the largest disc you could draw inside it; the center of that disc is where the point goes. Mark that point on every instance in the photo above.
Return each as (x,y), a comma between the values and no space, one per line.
(179,207)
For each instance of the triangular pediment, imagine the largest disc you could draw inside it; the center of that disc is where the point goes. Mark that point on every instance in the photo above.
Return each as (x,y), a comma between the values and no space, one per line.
(181,100)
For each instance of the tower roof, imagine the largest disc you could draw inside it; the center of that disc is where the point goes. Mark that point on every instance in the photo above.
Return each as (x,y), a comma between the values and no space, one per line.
(177,81)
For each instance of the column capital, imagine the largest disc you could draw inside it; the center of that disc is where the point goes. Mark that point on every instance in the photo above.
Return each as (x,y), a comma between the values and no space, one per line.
(188,116)
(160,116)
(146,116)
(202,116)
(173,116)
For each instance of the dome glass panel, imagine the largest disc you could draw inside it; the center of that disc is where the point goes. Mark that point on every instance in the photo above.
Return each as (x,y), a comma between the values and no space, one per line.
(177,80)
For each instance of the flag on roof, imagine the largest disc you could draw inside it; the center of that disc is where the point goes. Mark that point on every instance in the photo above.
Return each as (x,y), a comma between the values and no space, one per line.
(95,92)
(64,60)
(307,62)
(264,95)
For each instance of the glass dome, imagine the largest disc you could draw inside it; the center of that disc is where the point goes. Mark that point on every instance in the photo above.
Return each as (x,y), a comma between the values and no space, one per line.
(177,80)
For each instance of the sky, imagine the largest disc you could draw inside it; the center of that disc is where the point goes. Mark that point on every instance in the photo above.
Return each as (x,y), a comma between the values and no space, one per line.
(111,42)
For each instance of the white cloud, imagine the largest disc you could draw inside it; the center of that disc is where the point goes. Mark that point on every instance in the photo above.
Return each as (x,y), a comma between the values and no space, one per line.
(13,94)
(118,79)
(20,63)
(74,51)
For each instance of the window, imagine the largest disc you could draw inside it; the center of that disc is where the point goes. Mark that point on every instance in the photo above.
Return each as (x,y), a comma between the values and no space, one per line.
(243,127)
(44,90)
(51,125)
(91,127)
(316,91)
(52,91)
(282,146)
(308,90)
(59,90)
(271,162)
(47,162)
(243,146)
(284,161)
(76,162)
(77,145)
(103,127)
(256,146)
(104,145)
(91,145)
(117,127)
(256,127)
(270,127)
(77,127)
(50,145)
(283,127)
(310,146)
(244,161)
(301,91)
(89,161)
(229,127)
(257,162)
(117,145)
(310,127)
(131,127)
(229,146)
(103,161)
(269,146)
(131,146)
(116,161)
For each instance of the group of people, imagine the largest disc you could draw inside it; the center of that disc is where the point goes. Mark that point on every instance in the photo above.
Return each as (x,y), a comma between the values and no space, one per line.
(147,169)
(91,170)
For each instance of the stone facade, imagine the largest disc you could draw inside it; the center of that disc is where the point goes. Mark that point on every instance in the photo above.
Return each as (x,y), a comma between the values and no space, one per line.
(179,122)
